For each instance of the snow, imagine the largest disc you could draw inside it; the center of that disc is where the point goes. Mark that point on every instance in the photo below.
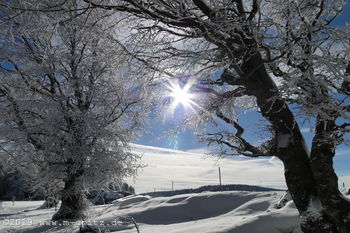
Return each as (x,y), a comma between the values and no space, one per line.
(313,211)
(346,194)
(23,215)
(208,212)
(192,170)
(130,200)
(284,200)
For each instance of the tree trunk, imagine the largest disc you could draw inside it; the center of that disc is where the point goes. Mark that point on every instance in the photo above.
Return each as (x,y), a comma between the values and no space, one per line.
(305,187)
(335,207)
(73,204)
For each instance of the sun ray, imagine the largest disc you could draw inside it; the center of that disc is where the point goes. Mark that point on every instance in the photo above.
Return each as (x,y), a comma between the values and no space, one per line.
(181,95)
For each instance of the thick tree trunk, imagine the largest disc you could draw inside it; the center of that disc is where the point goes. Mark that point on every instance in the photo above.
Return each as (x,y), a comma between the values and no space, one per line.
(334,206)
(306,180)
(73,204)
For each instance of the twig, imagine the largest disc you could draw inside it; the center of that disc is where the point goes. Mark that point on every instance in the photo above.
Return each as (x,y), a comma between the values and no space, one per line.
(135,223)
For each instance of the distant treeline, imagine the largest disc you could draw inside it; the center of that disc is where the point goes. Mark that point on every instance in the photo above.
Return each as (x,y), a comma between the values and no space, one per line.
(12,185)
(214,188)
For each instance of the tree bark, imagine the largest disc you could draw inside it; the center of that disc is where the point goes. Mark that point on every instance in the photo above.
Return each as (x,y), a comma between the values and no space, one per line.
(73,204)
(305,178)
(335,207)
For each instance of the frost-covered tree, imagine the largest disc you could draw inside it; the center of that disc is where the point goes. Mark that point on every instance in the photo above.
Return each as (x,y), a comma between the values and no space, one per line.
(71,99)
(280,53)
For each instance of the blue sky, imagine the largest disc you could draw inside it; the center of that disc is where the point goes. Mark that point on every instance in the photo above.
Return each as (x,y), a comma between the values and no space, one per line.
(186,140)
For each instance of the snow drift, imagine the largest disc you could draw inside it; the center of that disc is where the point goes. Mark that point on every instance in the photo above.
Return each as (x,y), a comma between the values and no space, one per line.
(208,212)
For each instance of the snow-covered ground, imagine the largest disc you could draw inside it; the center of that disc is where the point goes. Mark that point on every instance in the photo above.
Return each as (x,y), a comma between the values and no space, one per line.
(192,170)
(209,212)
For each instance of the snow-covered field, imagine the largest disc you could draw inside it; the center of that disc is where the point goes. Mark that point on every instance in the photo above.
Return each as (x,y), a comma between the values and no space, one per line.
(208,212)
(192,170)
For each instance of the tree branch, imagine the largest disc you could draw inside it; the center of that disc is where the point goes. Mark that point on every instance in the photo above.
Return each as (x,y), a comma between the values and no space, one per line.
(204,8)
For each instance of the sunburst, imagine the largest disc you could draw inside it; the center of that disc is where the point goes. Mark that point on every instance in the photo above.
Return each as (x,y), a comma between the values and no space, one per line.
(181,95)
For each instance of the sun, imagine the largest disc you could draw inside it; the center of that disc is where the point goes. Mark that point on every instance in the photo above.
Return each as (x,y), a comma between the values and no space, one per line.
(181,95)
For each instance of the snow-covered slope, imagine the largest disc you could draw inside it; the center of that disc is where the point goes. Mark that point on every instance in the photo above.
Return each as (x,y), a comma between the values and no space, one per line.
(209,212)
(191,170)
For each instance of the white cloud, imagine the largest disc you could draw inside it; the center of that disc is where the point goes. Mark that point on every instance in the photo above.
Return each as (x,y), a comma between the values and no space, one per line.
(191,170)
(342,152)
(201,150)
(306,130)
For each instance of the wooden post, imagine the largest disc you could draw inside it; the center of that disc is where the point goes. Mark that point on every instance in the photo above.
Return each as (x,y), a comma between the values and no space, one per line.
(219,176)
(172,185)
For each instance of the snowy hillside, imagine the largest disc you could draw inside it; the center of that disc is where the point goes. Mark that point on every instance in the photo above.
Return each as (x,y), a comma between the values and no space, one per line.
(209,212)
(192,170)
(206,212)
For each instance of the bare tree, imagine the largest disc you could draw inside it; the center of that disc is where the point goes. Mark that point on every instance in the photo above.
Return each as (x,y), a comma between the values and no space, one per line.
(256,43)
(70,100)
